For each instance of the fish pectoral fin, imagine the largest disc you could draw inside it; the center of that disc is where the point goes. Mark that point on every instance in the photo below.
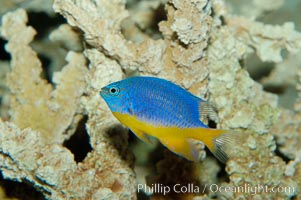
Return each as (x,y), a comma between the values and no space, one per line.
(142,136)
(179,146)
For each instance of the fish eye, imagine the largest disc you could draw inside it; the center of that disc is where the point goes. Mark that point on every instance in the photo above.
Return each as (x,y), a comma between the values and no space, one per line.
(114,90)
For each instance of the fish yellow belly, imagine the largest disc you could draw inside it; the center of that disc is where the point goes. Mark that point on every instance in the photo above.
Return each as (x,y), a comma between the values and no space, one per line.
(174,138)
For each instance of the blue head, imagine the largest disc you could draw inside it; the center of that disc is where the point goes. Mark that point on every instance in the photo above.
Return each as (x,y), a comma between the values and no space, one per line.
(116,96)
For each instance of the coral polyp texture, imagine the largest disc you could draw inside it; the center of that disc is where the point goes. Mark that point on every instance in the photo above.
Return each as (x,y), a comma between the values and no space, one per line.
(51,75)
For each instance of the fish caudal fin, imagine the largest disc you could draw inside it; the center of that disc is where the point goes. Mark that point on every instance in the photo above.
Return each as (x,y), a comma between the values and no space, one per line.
(223,145)
(219,142)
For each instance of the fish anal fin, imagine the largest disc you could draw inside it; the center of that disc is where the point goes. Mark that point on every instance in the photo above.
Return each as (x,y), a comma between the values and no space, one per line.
(179,146)
(142,136)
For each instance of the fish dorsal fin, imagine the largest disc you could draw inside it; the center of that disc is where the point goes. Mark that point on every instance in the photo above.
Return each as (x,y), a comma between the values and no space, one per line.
(207,112)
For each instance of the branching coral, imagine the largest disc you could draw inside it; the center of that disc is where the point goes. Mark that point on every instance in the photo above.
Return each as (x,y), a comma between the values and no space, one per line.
(36,96)
(32,5)
(288,135)
(37,156)
(25,156)
(201,49)
(268,40)
(254,8)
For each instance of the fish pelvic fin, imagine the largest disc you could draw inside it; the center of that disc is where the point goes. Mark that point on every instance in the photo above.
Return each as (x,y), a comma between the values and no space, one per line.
(219,142)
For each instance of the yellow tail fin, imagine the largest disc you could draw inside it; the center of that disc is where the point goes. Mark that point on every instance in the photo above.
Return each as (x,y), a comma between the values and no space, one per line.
(219,142)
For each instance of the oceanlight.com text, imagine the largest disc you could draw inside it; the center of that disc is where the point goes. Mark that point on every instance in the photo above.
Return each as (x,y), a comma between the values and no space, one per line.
(213,188)
(247,188)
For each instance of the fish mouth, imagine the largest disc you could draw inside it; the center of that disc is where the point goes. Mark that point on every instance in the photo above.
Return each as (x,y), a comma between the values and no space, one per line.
(104,90)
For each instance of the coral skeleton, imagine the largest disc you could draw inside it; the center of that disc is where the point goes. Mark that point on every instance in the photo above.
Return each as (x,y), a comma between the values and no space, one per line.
(201,45)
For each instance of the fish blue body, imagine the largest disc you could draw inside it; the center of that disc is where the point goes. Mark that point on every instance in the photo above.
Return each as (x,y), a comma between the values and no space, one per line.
(162,109)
